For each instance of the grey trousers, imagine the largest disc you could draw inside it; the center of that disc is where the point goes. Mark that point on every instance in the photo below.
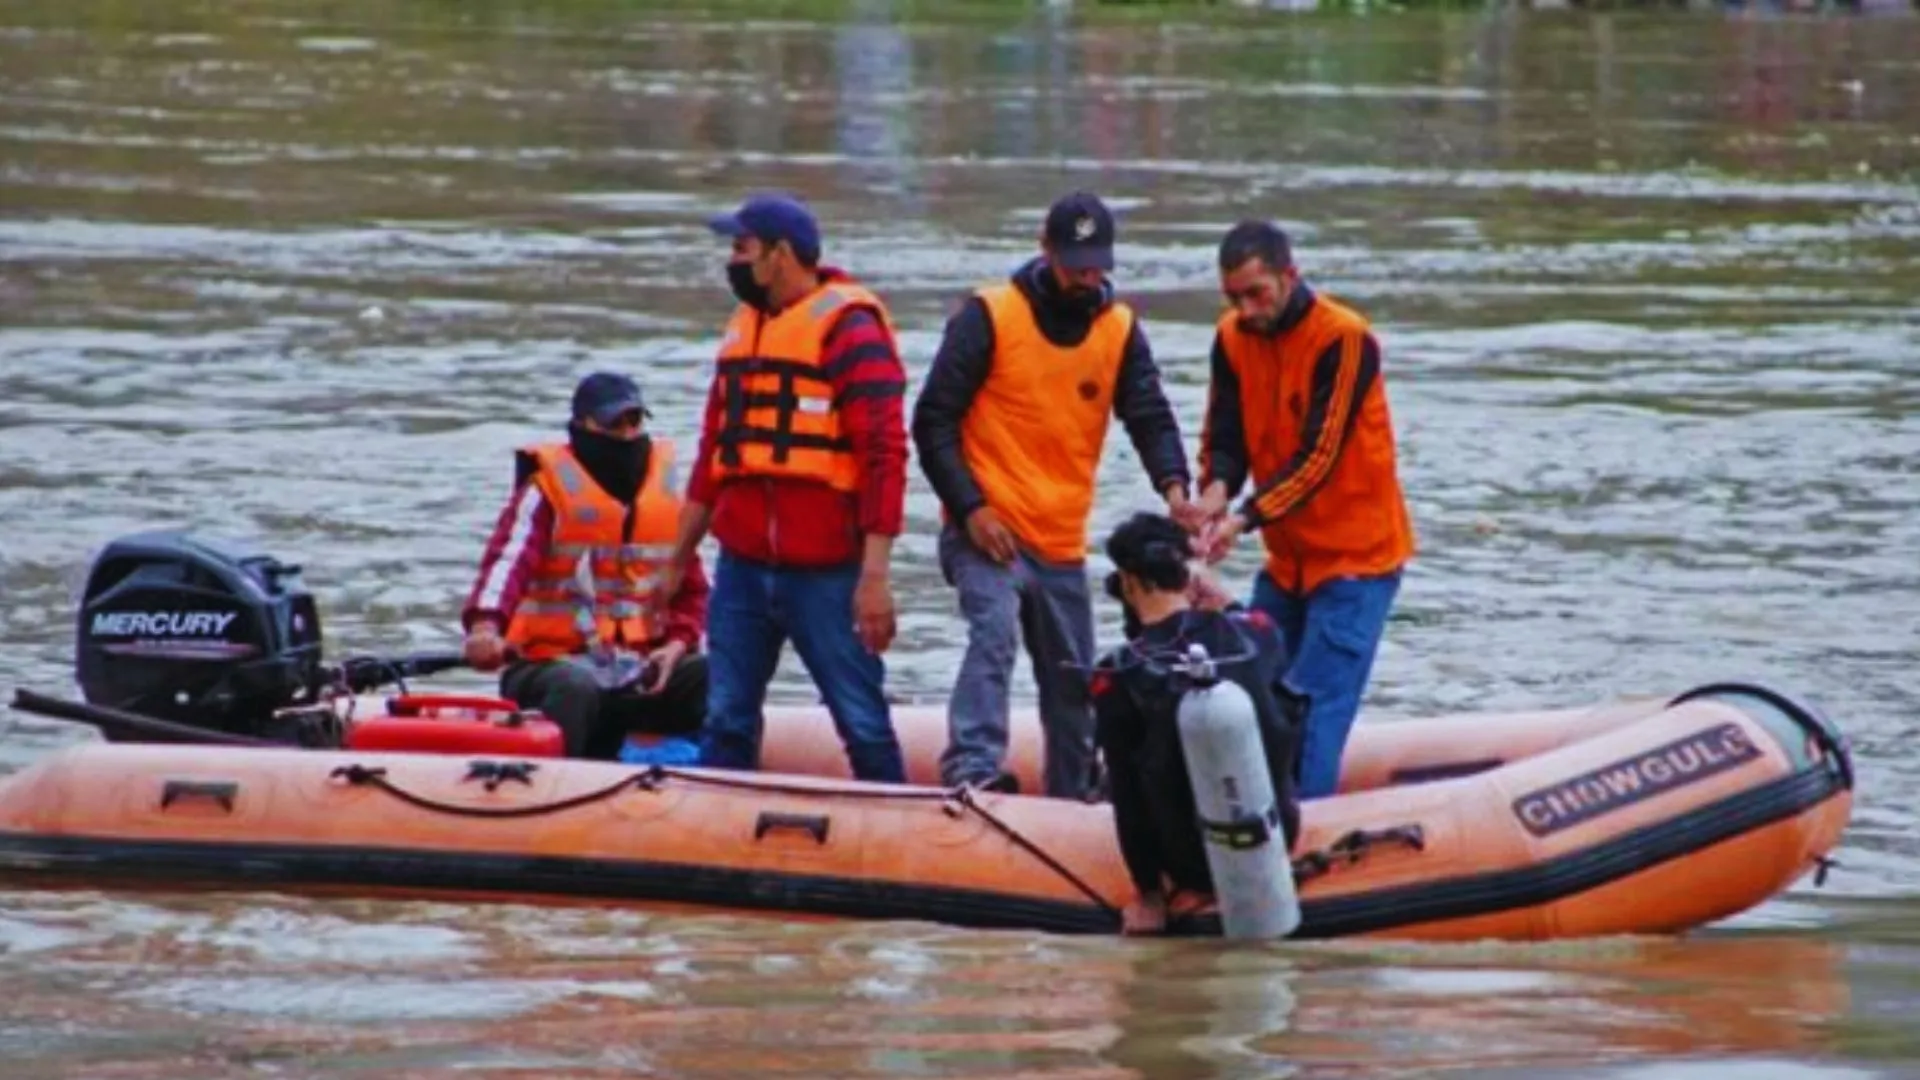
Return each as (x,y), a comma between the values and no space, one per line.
(1048,606)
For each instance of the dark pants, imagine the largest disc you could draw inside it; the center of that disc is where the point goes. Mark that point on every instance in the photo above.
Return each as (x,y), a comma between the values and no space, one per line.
(1045,606)
(595,721)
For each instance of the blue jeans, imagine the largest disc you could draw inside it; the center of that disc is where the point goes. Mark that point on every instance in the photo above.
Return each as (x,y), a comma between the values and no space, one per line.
(1331,636)
(751,612)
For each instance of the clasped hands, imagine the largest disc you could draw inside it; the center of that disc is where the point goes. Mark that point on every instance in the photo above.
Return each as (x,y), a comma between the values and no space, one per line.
(1214,532)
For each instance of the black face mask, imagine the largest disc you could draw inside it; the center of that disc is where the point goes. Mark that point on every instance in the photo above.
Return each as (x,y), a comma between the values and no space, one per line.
(748,291)
(617,465)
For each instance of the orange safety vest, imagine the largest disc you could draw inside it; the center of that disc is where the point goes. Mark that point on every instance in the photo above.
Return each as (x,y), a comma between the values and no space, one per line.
(565,611)
(778,413)
(1032,437)
(1356,524)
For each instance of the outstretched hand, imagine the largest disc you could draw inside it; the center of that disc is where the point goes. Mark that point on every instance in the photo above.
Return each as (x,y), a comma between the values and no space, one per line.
(1217,540)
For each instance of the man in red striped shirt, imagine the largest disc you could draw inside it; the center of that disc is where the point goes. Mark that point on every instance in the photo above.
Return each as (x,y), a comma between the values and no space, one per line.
(801,479)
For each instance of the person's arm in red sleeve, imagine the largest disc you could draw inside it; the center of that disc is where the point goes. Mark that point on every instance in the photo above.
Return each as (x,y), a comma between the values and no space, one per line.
(870,386)
(696,511)
(701,484)
(523,531)
(687,612)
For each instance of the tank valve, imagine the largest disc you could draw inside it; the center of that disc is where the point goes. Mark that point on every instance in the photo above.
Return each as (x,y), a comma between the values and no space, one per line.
(1199,666)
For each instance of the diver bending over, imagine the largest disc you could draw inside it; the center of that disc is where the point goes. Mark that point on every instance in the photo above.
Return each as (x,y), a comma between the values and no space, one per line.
(1137,694)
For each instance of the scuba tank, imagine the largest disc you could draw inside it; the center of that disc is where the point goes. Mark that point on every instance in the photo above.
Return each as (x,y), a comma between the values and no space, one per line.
(1239,814)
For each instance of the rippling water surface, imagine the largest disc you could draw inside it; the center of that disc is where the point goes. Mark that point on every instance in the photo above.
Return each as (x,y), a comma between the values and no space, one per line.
(1646,286)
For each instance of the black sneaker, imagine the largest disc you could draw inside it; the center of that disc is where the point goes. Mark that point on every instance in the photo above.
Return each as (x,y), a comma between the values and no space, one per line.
(1003,783)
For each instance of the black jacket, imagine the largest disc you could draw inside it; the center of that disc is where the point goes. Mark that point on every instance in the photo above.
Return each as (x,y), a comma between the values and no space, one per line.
(1137,729)
(960,369)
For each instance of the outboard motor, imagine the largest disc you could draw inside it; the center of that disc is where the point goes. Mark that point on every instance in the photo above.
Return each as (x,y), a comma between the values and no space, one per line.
(1239,811)
(196,630)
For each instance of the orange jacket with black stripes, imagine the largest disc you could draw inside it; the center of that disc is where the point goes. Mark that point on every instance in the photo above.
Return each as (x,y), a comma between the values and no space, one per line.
(1302,411)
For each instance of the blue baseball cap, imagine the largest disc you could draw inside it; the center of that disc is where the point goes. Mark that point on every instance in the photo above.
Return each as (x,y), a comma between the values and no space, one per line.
(1080,232)
(604,395)
(771,219)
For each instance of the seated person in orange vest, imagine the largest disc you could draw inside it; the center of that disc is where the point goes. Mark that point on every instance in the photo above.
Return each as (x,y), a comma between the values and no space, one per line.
(1010,427)
(1297,406)
(564,597)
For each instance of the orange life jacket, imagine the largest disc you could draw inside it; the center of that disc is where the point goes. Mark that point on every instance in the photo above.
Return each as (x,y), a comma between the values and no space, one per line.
(779,416)
(565,611)
(1032,437)
(1356,524)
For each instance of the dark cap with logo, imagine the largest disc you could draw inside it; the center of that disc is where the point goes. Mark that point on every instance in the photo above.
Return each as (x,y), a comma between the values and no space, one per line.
(1079,232)
(771,219)
(604,395)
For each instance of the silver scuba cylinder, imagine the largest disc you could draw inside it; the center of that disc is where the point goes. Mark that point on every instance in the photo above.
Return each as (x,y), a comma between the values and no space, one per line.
(1239,813)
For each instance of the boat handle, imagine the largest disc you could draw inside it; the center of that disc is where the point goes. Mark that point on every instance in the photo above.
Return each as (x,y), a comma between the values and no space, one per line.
(223,792)
(814,825)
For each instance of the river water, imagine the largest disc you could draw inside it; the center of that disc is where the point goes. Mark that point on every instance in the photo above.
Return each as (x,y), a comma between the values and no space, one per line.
(307,273)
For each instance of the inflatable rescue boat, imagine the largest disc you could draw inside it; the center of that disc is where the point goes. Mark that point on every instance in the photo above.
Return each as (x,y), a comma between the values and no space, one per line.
(1638,817)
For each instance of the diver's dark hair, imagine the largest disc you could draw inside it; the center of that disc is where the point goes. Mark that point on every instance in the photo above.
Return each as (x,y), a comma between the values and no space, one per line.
(1153,548)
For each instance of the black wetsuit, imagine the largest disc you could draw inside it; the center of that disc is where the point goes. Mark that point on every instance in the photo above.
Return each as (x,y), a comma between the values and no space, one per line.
(1136,709)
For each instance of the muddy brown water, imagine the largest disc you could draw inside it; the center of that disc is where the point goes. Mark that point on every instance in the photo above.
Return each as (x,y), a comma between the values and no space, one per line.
(1646,285)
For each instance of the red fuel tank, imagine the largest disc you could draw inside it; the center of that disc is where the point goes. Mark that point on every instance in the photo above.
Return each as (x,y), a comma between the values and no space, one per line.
(458,724)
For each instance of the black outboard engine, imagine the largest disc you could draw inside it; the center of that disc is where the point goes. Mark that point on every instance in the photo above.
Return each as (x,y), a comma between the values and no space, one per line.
(198,631)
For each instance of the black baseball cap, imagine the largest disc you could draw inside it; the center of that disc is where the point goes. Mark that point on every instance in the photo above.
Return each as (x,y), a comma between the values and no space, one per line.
(604,395)
(773,218)
(1079,232)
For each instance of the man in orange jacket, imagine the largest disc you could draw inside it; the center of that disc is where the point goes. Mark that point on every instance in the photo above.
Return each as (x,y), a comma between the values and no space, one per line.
(1298,403)
(565,595)
(1010,428)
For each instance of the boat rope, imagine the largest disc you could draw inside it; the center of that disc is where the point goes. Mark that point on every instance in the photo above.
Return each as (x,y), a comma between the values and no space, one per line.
(963,796)
(1353,846)
(375,777)
(493,774)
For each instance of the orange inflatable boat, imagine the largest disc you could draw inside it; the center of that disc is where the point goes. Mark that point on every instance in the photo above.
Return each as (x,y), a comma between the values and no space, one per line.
(1641,817)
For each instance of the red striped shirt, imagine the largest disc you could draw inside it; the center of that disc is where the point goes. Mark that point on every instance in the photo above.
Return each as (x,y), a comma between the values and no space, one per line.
(800,522)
